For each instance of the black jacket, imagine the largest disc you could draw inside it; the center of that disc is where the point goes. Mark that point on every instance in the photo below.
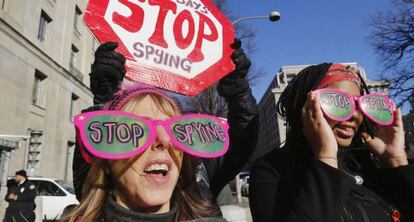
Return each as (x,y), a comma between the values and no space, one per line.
(243,132)
(314,191)
(22,208)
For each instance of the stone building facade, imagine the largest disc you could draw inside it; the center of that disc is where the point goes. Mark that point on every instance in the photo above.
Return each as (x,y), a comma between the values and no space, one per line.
(45,57)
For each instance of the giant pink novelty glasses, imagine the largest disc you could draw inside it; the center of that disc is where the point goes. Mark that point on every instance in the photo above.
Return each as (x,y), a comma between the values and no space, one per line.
(340,106)
(116,134)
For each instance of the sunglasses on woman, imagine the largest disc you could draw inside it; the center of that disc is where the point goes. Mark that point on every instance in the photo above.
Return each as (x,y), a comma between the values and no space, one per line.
(340,106)
(116,135)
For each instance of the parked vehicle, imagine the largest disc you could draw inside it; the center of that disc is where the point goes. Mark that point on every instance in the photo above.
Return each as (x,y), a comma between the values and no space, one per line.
(244,174)
(245,186)
(232,183)
(235,211)
(52,197)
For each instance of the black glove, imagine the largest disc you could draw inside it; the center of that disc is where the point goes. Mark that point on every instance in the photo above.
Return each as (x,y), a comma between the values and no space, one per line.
(240,60)
(235,82)
(107,72)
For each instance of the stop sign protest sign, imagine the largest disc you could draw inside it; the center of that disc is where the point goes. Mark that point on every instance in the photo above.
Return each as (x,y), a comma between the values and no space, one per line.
(179,45)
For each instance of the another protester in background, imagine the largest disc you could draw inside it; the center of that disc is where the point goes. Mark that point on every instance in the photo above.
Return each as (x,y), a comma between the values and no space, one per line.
(21,197)
(336,165)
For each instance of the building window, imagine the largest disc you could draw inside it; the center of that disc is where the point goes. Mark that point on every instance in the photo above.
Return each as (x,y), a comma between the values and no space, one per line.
(44,20)
(78,13)
(282,78)
(5,4)
(73,106)
(381,89)
(73,53)
(52,2)
(69,160)
(39,88)
(290,76)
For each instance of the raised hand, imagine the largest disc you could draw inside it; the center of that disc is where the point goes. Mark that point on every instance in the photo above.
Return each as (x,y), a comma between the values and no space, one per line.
(388,143)
(240,60)
(235,83)
(107,72)
(318,133)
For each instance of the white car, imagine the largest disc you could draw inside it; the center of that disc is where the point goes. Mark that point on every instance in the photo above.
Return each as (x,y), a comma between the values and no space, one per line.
(52,197)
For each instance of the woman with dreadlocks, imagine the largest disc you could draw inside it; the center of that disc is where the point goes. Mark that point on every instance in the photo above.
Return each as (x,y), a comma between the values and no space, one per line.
(344,157)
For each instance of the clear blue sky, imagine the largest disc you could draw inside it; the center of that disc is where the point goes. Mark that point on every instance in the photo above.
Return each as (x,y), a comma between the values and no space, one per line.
(309,32)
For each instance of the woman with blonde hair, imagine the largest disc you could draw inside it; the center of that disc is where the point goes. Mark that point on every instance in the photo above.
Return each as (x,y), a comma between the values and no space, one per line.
(209,175)
(142,153)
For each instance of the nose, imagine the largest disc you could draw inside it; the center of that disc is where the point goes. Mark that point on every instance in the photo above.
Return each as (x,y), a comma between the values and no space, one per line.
(162,139)
(357,116)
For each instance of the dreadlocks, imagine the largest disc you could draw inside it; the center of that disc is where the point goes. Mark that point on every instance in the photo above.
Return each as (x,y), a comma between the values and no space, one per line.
(294,96)
(289,108)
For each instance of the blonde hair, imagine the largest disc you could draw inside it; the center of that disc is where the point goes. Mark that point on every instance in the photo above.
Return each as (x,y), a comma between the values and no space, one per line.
(190,204)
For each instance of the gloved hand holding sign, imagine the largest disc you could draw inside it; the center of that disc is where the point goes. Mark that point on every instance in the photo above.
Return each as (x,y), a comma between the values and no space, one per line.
(235,83)
(107,72)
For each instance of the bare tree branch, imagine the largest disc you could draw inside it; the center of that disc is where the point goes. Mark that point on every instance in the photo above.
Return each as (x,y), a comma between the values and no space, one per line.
(209,101)
(393,40)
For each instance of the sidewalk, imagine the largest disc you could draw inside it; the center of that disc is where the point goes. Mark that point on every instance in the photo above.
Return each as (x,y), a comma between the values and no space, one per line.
(237,212)
(245,205)
(3,206)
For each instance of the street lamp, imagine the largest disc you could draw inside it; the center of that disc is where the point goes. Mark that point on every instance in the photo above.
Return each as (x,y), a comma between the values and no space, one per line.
(273,17)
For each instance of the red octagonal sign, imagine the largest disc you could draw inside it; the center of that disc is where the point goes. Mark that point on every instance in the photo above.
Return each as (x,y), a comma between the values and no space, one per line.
(179,45)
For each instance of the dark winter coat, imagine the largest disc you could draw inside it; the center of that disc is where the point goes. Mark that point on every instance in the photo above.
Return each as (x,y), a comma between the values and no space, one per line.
(243,132)
(115,213)
(315,191)
(21,209)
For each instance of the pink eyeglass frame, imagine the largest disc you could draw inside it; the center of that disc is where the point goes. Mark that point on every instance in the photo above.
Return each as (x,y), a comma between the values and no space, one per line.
(81,119)
(359,99)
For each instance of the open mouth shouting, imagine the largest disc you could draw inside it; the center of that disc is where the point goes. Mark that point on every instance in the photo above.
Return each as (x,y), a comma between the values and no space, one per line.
(158,170)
